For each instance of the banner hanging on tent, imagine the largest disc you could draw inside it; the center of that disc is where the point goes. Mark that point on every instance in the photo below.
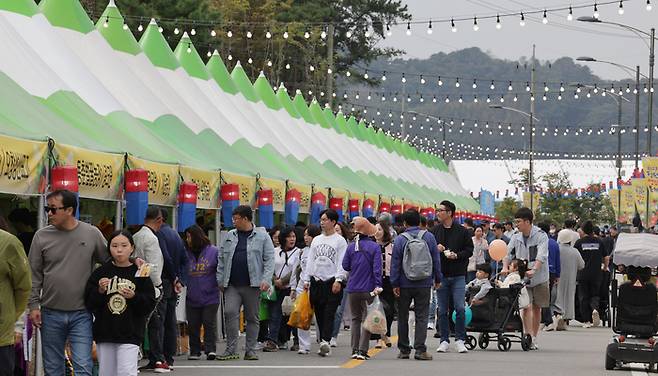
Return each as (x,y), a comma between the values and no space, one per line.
(305,190)
(340,193)
(22,166)
(614,201)
(627,203)
(640,192)
(100,175)
(207,183)
(650,166)
(278,188)
(247,186)
(162,180)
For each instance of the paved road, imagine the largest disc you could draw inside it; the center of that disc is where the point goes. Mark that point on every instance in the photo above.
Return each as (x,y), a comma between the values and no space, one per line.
(574,352)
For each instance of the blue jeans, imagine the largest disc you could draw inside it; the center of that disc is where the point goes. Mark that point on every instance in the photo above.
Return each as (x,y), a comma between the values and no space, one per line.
(57,327)
(455,287)
(276,315)
(433,303)
(338,321)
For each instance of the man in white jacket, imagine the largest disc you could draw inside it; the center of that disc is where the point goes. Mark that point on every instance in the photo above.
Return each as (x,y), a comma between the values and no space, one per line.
(147,247)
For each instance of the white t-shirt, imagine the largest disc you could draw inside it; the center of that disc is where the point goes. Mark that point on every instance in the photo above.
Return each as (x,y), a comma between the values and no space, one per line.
(281,268)
(325,258)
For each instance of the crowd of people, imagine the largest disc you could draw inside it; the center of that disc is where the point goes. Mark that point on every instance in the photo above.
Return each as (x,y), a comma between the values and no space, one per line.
(116,297)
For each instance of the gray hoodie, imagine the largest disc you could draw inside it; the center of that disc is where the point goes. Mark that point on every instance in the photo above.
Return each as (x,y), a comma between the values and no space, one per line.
(534,248)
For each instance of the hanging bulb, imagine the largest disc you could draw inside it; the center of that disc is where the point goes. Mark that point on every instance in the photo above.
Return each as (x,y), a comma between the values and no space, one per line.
(544,98)
(522,22)
(229,34)
(311,68)
(559,97)
(596,11)
(365,75)
(649,7)
(570,15)
(306,35)
(475,85)
(193,31)
(452,26)
(250,60)
(447,99)
(230,57)
(544,19)
(269,63)
(209,54)
(404,80)
(498,24)
(429,28)
(440,82)
(107,22)
(545,87)
(492,86)
(348,73)
(329,71)
(475,24)
(589,94)
(140,28)
(384,76)
(527,86)
(287,66)
(461,100)
(189,49)
(408,32)
(285,35)
(249,34)
(621,7)
(160,29)
(323,34)
(176,31)
(388,30)
(502,99)
(368,33)
(475,99)
(488,99)
(510,88)
(457,82)
(125,26)
(422,80)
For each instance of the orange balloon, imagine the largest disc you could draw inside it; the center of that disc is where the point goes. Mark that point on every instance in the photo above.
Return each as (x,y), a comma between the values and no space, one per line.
(497,250)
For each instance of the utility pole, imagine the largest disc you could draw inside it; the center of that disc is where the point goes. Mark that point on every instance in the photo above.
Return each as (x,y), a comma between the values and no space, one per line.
(330,61)
(403,99)
(652,42)
(532,132)
(637,118)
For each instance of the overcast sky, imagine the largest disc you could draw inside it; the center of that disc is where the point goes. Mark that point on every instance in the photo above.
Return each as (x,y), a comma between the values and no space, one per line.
(556,39)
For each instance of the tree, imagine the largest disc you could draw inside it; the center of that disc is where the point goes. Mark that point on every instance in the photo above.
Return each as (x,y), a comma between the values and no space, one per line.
(506,209)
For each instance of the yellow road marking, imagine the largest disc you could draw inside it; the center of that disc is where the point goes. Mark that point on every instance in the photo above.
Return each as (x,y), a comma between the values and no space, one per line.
(353,363)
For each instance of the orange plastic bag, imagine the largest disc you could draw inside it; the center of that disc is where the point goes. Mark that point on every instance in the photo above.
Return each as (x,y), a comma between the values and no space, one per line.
(302,312)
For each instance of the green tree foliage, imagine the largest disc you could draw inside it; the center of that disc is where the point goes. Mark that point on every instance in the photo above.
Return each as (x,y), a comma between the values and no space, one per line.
(505,209)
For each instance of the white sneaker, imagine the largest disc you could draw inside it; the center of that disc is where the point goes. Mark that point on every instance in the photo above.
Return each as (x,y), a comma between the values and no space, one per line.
(534,345)
(325,349)
(259,346)
(596,318)
(430,326)
(587,325)
(333,342)
(461,348)
(443,347)
(303,352)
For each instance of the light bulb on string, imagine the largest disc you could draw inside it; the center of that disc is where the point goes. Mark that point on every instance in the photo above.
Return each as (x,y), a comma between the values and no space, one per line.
(510,88)
(570,15)
(323,34)
(404,79)
(492,86)
(408,32)
(422,80)
(306,35)
(516,98)
(457,82)
(107,22)
(545,87)
(527,86)
(461,100)
(285,35)
(452,26)
(269,63)
(384,76)
(140,28)
(544,19)
(329,71)
(522,22)
(596,11)
(348,73)
(544,98)
(209,54)
(429,28)
(488,99)
(620,10)
(311,68)
(250,60)
(649,7)
(502,99)
(589,94)
(229,34)
(125,26)
(388,30)
(439,82)
(368,33)
(249,35)
(447,99)
(160,29)
(193,31)
(475,85)
(475,99)
(498,24)
(213,33)
(229,57)
(475,24)
(365,75)
(287,65)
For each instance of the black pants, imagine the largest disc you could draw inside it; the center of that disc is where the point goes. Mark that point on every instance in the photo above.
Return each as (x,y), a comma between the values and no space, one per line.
(206,316)
(160,330)
(421,300)
(388,300)
(7,360)
(325,303)
(588,292)
(170,343)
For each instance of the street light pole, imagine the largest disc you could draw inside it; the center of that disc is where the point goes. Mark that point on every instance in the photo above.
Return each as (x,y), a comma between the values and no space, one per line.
(651,63)
(532,132)
(637,117)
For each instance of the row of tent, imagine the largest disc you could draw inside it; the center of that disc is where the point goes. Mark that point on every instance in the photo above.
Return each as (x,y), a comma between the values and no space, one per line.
(97,88)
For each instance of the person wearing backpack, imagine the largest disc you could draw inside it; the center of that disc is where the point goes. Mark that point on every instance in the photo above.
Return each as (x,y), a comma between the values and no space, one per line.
(455,247)
(415,269)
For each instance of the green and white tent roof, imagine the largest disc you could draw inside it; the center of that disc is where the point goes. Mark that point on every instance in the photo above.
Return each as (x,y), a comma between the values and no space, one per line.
(98,87)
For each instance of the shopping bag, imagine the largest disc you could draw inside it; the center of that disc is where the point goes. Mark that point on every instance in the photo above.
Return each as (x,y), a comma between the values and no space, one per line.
(301,315)
(269,295)
(287,306)
(375,321)
(263,311)
(524,298)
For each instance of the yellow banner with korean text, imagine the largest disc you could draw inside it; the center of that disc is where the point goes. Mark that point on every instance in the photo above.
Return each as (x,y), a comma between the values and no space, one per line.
(305,190)
(207,183)
(640,192)
(100,175)
(627,203)
(22,166)
(247,186)
(650,167)
(162,180)
(278,188)
(615,202)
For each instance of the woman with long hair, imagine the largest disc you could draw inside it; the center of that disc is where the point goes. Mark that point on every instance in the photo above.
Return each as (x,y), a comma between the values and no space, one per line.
(286,258)
(480,248)
(202,300)
(385,240)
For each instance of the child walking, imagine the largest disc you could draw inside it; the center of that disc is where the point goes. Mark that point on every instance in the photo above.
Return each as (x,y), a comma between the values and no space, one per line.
(120,303)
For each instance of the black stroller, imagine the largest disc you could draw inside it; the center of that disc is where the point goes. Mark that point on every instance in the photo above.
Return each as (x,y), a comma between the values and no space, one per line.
(634,302)
(498,319)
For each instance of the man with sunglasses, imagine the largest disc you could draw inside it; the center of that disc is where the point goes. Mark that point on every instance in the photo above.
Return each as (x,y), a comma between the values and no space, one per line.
(62,257)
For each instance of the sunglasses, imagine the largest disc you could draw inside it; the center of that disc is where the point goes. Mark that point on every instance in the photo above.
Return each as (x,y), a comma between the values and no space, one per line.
(54,209)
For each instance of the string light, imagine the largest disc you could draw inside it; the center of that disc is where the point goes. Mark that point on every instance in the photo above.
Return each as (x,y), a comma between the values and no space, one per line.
(323,34)
(596,11)
(429,28)
(522,22)
(422,80)
(649,7)
(404,79)
(213,33)
(452,25)
(408,28)
(544,18)
(307,35)
(475,85)
(475,24)
(570,15)
(193,31)
(498,24)
(107,22)
(388,30)
(440,82)
(457,82)
(492,86)
(510,88)
(621,7)
(125,26)
(140,28)
(230,34)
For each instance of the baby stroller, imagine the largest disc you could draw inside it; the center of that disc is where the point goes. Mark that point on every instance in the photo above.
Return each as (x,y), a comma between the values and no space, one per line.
(634,303)
(498,319)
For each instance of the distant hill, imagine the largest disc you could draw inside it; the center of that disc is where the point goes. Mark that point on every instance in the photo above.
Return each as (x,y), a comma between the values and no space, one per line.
(596,112)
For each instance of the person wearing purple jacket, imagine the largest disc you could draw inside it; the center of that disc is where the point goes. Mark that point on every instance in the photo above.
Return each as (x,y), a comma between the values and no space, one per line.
(202,299)
(418,291)
(363,261)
